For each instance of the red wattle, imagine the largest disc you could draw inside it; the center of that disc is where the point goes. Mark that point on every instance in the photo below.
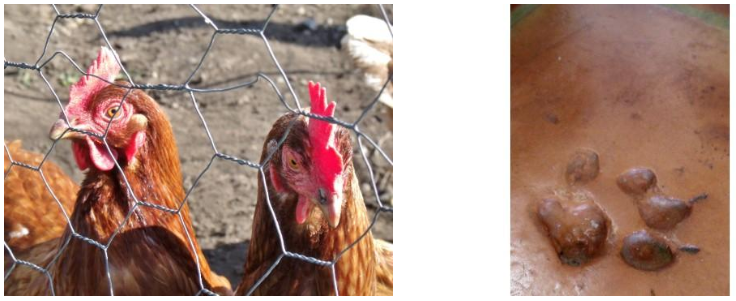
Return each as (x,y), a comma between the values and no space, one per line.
(99,155)
(302,210)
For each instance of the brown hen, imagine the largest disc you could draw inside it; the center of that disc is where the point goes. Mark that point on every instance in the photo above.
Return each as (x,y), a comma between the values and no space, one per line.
(155,252)
(320,210)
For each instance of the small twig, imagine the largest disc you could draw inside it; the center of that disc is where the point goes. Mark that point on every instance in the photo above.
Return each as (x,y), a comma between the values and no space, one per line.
(698,198)
(692,249)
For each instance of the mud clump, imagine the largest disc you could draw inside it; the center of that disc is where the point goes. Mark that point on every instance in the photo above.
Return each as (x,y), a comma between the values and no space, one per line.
(637,181)
(578,233)
(663,212)
(646,251)
(583,167)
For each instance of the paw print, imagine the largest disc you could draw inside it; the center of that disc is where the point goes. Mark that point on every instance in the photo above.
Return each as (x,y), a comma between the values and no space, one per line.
(578,228)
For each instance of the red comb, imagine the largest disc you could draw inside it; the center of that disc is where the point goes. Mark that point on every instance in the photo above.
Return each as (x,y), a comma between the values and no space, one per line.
(325,156)
(105,66)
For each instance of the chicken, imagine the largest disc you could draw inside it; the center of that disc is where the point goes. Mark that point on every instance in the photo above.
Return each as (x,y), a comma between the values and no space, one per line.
(32,215)
(371,46)
(320,210)
(151,254)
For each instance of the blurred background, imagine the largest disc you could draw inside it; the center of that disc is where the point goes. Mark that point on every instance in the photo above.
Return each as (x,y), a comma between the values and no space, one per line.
(163,44)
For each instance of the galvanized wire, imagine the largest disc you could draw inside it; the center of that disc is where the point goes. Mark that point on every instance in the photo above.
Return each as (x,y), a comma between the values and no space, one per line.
(104,246)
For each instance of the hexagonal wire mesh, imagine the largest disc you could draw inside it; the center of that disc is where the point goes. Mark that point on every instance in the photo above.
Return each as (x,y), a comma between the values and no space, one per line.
(103,246)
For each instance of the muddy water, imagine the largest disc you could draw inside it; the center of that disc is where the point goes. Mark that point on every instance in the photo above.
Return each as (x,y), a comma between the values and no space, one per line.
(643,87)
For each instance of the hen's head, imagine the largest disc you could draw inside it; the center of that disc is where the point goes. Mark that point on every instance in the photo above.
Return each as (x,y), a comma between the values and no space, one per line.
(93,104)
(313,161)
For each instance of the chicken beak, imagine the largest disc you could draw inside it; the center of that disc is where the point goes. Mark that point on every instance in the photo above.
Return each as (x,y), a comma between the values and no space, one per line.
(59,131)
(331,206)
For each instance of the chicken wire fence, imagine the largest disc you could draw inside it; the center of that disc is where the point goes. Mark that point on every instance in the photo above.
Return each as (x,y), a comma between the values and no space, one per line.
(260,32)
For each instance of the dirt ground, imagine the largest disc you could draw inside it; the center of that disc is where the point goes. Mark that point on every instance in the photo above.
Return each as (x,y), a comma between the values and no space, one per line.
(164,44)
(642,86)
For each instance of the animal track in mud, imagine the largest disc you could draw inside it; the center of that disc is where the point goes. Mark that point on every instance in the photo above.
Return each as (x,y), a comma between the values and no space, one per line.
(579,230)
(578,227)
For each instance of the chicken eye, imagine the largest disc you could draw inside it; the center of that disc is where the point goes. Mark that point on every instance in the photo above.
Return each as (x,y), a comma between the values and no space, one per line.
(111,112)
(293,164)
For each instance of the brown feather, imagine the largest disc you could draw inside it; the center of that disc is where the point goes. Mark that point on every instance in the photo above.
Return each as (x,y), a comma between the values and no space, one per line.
(385,271)
(32,216)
